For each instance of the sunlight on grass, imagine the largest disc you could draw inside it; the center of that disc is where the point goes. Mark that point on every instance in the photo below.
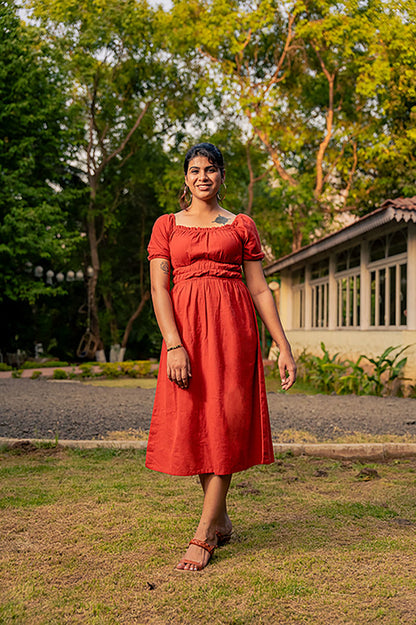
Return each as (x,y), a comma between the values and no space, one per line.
(124,383)
(93,537)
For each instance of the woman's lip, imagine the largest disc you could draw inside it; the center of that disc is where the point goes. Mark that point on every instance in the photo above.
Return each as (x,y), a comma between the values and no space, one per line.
(204,186)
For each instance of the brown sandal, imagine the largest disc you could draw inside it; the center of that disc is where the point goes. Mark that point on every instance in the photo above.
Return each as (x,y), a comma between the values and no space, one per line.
(199,565)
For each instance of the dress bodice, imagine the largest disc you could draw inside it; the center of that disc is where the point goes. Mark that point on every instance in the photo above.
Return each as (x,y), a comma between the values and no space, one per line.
(212,251)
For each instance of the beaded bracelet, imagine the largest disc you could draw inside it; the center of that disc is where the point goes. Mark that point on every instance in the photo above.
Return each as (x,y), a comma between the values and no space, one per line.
(169,349)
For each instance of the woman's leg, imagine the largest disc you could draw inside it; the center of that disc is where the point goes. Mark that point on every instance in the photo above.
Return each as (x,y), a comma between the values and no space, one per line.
(214,515)
(224,525)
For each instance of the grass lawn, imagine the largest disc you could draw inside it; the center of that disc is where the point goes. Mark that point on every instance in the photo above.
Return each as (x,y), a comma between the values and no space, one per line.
(92,537)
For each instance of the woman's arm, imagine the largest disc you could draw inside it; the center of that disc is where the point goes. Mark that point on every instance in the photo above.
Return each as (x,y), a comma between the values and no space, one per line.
(265,305)
(178,365)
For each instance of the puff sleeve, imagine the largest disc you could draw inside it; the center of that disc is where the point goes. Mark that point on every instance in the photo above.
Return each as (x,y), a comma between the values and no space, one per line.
(159,241)
(251,240)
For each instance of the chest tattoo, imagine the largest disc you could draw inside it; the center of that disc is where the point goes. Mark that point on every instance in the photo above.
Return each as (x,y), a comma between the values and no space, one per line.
(220,219)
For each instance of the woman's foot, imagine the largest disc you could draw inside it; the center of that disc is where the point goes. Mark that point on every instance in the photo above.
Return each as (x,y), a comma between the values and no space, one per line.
(224,531)
(197,555)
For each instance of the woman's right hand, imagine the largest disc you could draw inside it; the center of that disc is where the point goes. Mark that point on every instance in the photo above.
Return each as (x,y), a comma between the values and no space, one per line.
(179,367)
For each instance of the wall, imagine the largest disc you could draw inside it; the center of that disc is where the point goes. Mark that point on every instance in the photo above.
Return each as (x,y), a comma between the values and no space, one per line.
(353,343)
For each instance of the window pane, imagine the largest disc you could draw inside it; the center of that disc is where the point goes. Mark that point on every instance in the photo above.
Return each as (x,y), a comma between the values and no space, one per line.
(298,276)
(301,314)
(344,301)
(392,274)
(351,302)
(341,261)
(320,269)
(378,249)
(382,298)
(398,243)
(403,295)
(338,302)
(355,257)
(357,286)
(373,298)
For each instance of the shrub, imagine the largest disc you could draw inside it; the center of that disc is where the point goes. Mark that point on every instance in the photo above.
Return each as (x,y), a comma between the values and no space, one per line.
(17,373)
(86,370)
(143,367)
(329,374)
(4,367)
(30,364)
(35,375)
(110,369)
(59,374)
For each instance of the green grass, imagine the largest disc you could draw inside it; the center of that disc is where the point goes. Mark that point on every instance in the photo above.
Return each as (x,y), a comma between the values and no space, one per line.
(93,537)
(273,385)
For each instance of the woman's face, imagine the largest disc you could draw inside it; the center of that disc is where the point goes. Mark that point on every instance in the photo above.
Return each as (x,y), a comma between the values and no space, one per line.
(203,178)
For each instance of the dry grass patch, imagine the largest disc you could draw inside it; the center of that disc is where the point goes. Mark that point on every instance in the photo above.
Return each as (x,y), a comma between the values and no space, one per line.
(124,383)
(314,543)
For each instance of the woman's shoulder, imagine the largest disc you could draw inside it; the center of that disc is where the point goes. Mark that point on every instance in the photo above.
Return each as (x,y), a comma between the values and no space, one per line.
(165,219)
(245,221)
(164,222)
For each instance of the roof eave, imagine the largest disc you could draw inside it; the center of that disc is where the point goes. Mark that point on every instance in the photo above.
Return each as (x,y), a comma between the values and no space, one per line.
(355,230)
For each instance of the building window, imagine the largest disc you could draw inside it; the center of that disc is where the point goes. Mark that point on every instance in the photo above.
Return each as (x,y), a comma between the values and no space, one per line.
(347,274)
(348,259)
(389,279)
(298,286)
(320,269)
(348,301)
(389,295)
(388,245)
(319,286)
(320,305)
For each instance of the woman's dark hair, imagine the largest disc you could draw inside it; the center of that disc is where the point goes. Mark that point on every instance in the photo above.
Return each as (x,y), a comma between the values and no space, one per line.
(212,153)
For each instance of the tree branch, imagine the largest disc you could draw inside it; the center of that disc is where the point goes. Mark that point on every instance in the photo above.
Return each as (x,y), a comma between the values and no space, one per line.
(329,125)
(133,318)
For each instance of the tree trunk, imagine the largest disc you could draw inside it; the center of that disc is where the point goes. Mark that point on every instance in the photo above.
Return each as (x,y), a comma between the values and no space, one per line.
(133,318)
(92,283)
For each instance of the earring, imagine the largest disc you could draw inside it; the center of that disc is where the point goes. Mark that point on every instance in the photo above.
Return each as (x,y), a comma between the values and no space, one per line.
(219,197)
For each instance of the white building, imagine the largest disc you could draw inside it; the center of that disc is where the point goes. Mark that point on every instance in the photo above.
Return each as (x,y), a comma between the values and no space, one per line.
(355,289)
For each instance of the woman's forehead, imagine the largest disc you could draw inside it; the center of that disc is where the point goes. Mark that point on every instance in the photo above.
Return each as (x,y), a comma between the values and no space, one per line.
(201,162)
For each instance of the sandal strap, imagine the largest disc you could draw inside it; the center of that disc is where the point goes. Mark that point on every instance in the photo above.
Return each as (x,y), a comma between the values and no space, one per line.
(203,545)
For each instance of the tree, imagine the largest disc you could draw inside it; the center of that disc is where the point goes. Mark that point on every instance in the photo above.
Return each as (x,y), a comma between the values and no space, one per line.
(310,78)
(124,89)
(35,225)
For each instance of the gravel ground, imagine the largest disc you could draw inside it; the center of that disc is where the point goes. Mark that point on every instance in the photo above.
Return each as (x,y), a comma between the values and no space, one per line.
(71,410)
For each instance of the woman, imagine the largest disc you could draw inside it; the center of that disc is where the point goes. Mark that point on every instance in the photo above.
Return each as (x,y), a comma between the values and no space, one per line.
(210,416)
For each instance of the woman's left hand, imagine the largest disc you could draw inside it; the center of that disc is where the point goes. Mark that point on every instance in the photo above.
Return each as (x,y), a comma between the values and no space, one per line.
(287,369)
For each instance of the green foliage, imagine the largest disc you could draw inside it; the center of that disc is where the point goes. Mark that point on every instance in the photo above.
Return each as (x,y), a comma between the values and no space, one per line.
(35,375)
(386,370)
(17,373)
(35,227)
(43,365)
(133,368)
(111,369)
(4,367)
(329,374)
(60,374)
(86,370)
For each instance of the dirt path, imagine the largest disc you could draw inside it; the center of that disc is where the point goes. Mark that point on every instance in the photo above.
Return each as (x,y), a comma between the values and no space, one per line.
(45,409)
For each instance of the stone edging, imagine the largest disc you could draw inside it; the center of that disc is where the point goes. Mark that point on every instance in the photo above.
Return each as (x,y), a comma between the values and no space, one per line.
(340,451)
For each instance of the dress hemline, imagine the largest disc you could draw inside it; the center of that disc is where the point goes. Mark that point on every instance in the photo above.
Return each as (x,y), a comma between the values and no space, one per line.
(208,471)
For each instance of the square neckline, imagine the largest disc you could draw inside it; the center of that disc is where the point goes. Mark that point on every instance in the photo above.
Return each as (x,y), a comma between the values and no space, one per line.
(176,225)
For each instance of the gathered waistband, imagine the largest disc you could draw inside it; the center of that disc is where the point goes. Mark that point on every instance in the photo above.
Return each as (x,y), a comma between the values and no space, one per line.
(212,270)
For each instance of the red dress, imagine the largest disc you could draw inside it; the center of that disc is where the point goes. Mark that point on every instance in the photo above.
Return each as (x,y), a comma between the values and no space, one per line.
(220,423)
